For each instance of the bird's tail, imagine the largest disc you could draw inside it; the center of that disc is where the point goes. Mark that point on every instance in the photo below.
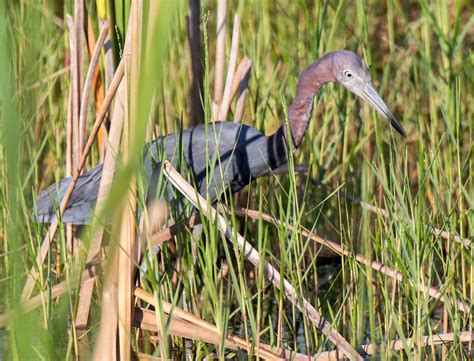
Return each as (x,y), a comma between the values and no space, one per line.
(81,204)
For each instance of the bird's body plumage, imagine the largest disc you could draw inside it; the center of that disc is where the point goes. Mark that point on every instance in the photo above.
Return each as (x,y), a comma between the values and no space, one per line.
(231,153)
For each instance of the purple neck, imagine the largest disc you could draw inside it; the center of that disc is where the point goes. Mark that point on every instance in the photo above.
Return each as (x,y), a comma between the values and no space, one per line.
(309,83)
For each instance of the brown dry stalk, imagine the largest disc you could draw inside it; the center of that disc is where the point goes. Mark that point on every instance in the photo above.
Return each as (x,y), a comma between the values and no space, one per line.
(106,343)
(196,322)
(253,256)
(127,235)
(220,50)
(399,345)
(164,235)
(377,266)
(242,69)
(234,49)
(75,89)
(69,164)
(88,84)
(243,90)
(73,121)
(108,172)
(29,284)
(146,320)
(79,17)
(98,87)
(108,59)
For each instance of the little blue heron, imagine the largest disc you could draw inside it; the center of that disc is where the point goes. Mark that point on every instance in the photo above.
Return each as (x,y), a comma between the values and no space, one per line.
(243,153)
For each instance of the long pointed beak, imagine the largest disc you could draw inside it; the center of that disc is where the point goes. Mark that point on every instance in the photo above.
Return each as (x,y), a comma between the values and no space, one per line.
(369,94)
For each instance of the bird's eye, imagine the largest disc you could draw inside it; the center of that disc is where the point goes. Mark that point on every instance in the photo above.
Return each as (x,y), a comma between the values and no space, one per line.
(348,74)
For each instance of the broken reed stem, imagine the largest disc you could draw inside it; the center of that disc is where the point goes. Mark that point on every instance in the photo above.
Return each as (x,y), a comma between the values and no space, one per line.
(253,256)
(243,89)
(159,237)
(178,313)
(242,69)
(399,345)
(376,266)
(220,50)
(88,84)
(234,49)
(29,284)
(146,320)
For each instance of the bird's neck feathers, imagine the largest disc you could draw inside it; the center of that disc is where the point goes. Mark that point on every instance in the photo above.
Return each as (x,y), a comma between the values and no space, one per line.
(309,83)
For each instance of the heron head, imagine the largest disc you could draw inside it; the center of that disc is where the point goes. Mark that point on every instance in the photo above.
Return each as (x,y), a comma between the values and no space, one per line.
(350,71)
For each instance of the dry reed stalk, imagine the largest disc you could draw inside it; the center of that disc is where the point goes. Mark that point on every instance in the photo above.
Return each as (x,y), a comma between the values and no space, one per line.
(220,51)
(98,87)
(91,42)
(108,172)
(75,87)
(376,266)
(106,343)
(29,284)
(106,346)
(146,320)
(88,84)
(253,256)
(204,326)
(73,134)
(152,220)
(108,58)
(108,75)
(242,69)
(243,90)
(69,164)
(234,49)
(239,108)
(164,235)
(79,20)
(196,111)
(127,235)
(426,341)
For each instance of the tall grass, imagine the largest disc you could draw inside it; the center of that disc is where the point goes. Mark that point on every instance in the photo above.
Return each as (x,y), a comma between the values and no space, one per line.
(420,57)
